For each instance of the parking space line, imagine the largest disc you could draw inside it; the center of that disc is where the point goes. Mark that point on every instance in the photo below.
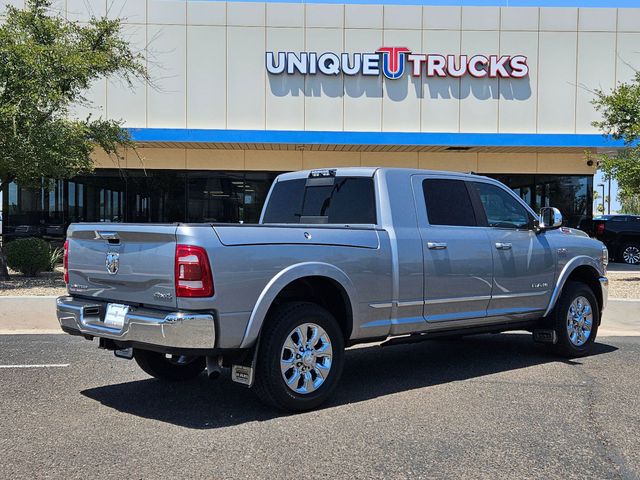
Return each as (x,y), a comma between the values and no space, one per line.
(52,365)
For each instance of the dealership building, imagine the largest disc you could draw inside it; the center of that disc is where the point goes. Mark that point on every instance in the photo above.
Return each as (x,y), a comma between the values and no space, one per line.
(242,91)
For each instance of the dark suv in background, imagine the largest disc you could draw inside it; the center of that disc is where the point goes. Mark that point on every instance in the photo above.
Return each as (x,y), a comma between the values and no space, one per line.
(621,235)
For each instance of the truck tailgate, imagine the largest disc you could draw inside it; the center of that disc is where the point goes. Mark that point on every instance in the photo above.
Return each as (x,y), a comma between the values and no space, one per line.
(126,263)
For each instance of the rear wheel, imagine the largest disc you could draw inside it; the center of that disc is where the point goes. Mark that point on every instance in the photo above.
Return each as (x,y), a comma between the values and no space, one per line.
(173,368)
(576,320)
(630,253)
(300,357)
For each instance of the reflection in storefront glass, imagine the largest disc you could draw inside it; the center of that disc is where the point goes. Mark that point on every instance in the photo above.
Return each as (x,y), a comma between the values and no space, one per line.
(166,196)
(570,193)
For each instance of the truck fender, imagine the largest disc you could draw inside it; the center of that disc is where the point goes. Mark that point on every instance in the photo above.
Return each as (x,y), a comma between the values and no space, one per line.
(571,265)
(284,278)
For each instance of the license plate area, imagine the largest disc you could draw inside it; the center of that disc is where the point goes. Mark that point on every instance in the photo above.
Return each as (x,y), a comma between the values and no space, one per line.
(114,315)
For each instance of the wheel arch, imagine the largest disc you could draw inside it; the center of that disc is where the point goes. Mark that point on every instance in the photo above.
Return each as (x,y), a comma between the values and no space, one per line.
(581,269)
(317,282)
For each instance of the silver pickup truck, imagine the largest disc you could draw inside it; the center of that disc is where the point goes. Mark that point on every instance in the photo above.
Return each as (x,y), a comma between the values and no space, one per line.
(341,256)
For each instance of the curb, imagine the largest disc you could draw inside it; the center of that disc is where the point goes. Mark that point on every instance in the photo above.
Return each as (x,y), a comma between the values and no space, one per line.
(28,297)
(32,332)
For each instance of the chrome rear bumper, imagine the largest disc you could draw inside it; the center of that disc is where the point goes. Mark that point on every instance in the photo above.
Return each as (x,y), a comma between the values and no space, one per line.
(180,330)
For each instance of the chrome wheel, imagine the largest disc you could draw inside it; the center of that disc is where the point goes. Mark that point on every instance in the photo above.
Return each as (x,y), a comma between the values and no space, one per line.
(306,357)
(631,254)
(579,321)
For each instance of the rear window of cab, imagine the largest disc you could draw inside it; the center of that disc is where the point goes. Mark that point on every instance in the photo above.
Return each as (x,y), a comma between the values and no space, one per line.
(331,200)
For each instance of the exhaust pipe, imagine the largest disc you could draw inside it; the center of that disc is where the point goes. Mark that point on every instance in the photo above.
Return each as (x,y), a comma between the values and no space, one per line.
(214,367)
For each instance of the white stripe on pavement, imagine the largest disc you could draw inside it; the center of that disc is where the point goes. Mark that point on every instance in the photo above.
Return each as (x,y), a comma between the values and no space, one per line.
(52,365)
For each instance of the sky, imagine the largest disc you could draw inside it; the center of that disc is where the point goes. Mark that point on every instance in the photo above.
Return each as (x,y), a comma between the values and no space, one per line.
(615,204)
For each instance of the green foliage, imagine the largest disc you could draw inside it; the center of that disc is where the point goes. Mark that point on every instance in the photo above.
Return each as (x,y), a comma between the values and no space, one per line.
(29,256)
(46,63)
(625,168)
(56,256)
(620,111)
(630,204)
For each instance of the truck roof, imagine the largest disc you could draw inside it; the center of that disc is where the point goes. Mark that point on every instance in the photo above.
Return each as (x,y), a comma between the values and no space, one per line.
(370,171)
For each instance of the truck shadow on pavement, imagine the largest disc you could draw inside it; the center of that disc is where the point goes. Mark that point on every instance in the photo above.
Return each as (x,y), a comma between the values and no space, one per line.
(369,373)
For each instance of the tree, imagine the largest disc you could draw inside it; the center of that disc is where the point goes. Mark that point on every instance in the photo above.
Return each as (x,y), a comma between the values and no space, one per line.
(629,204)
(620,111)
(596,196)
(46,64)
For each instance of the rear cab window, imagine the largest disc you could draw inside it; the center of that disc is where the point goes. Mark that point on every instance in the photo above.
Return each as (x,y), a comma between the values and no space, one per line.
(340,200)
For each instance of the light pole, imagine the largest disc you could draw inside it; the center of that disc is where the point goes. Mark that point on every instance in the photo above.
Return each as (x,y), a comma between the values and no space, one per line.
(609,198)
(602,185)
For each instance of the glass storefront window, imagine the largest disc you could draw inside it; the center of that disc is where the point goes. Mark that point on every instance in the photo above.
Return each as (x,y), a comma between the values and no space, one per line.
(155,196)
(215,197)
(167,196)
(569,193)
(256,189)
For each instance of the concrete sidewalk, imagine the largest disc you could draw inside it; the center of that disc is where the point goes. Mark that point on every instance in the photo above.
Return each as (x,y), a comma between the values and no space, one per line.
(28,315)
(38,315)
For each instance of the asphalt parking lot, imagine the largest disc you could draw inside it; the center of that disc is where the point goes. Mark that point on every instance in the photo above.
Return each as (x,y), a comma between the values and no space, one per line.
(493,406)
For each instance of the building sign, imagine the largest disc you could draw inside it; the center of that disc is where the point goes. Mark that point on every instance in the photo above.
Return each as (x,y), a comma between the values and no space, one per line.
(393,61)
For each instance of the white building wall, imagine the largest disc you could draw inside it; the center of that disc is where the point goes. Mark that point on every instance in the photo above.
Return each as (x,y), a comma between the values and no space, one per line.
(206,59)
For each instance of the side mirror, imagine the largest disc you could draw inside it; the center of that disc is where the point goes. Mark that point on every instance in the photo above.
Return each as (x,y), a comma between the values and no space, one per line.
(550,217)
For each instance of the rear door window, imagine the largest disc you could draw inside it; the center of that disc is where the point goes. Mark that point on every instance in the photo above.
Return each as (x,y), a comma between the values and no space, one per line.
(448,203)
(339,200)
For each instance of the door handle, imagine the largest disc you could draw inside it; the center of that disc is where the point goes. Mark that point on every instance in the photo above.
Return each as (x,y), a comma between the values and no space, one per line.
(436,245)
(503,246)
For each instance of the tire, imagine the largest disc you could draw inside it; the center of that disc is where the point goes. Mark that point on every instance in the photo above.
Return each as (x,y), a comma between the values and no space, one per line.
(630,253)
(277,362)
(577,296)
(173,369)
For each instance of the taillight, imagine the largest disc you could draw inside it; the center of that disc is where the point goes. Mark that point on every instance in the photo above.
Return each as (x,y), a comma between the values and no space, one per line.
(65,261)
(599,228)
(193,273)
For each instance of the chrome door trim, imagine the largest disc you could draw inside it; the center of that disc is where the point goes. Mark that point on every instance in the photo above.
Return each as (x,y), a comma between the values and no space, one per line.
(457,299)
(435,301)
(416,303)
(381,305)
(518,295)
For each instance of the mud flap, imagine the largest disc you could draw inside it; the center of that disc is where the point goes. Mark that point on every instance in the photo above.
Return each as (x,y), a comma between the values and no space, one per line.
(124,353)
(245,374)
(545,336)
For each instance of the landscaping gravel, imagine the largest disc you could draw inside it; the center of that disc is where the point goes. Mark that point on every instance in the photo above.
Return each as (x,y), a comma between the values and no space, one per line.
(624,284)
(47,283)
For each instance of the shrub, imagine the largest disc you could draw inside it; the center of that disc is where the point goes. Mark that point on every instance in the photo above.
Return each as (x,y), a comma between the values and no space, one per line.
(28,256)
(55,258)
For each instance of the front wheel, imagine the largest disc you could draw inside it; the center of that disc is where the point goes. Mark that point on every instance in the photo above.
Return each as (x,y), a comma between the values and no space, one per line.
(300,357)
(173,368)
(576,320)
